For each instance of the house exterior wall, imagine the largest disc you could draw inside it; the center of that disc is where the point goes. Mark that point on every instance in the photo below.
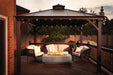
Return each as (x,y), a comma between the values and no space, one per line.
(21,12)
(8,8)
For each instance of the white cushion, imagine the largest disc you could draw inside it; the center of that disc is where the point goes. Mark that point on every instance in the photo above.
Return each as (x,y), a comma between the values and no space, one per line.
(30,47)
(78,49)
(86,47)
(65,52)
(76,54)
(37,48)
(56,47)
(47,47)
(39,53)
(61,47)
(51,48)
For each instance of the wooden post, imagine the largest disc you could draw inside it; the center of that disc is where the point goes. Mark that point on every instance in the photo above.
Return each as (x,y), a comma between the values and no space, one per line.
(81,33)
(18,44)
(107,40)
(99,46)
(34,34)
(75,33)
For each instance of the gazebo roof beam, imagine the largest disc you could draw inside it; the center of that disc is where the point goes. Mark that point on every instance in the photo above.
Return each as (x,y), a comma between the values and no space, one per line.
(61,17)
(92,24)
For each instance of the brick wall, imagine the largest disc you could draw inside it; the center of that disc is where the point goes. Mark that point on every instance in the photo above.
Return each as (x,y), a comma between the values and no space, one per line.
(7,8)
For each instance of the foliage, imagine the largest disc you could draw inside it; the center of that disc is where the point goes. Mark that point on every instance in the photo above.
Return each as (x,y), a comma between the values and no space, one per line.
(31,28)
(89,30)
(108,27)
(48,30)
(55,37)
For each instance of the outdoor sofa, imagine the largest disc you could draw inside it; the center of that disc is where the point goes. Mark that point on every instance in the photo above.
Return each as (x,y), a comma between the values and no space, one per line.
(57,48)
(81,51)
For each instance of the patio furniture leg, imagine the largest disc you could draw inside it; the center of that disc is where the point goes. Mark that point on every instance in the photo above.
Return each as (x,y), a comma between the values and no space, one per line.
(27,59)
(73,57)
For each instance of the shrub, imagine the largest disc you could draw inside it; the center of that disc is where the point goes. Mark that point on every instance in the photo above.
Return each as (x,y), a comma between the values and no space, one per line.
(55,37)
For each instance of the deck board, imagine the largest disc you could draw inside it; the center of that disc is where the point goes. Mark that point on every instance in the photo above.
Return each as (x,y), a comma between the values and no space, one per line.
(78,67)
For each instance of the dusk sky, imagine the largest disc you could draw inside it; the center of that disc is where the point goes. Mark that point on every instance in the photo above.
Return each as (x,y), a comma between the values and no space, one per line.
(36,5)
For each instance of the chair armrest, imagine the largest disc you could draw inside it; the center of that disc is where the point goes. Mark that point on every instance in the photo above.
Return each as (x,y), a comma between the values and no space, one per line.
(73,49)
(85,52)
(39,54)
(76,54)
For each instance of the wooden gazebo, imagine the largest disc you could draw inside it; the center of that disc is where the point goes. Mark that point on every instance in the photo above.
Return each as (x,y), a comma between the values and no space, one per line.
(59,15)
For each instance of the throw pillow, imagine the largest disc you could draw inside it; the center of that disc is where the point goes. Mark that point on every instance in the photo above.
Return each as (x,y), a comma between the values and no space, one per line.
(37,48)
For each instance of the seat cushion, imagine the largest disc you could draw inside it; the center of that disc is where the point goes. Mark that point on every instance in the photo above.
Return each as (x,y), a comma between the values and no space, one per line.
(78,49)
(76,54)
(66,52)
(51,48)
(61,47)
(56,47)
(86,47)
(39,54)
(37,49)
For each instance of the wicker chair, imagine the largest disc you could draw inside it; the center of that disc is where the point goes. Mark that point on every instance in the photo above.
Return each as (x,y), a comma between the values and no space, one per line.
(33,51)
(81,52)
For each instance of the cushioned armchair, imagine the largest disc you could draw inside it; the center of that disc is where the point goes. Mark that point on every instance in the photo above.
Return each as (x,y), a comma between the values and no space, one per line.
(81,51)
(34,51)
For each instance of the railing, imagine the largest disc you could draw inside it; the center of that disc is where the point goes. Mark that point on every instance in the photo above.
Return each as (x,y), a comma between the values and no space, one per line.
(106,57)
(45,43)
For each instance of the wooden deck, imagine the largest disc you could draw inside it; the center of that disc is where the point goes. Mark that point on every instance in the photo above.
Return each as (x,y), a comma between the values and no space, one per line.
(78,67)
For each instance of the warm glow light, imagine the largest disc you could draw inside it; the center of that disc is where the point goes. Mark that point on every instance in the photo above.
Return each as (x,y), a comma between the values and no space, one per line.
(56,54)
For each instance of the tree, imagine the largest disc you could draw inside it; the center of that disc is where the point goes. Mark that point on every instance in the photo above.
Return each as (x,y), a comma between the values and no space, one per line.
(108,27)
(84,10)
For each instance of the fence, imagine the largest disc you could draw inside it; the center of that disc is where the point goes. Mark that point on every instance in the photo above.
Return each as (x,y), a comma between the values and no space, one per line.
(107,40)
(106,57)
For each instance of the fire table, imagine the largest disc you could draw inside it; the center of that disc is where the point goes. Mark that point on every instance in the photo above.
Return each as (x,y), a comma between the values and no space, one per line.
(57,58)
